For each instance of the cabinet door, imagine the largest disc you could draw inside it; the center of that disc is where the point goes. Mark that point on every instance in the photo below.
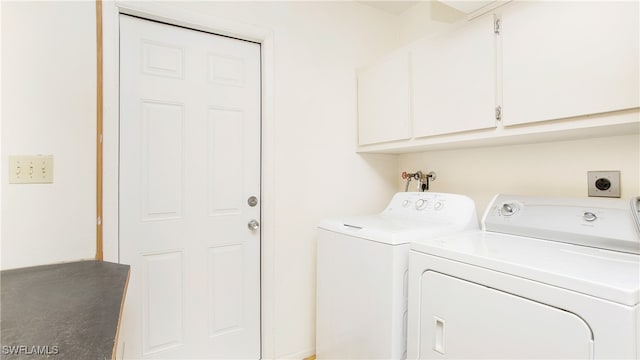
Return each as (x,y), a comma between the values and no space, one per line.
(454,80)
(383,100)
(565,59)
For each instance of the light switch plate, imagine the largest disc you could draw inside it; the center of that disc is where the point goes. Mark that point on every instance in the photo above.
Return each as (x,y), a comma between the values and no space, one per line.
(31,169)
(603,183)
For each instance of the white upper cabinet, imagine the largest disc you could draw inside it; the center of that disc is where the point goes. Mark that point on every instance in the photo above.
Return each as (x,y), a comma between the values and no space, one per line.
(454,80)
(567,59)
(383,100)
(555,69)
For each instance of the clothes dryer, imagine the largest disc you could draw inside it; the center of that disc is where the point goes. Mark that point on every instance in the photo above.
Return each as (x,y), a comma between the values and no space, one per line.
(362,272)
(546,278)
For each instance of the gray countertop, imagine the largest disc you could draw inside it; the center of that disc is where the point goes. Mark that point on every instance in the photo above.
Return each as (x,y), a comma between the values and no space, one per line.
(62,311)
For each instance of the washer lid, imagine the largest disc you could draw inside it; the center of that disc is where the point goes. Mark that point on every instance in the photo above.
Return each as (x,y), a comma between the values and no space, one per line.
(410,216)
(388,229)
(605,274)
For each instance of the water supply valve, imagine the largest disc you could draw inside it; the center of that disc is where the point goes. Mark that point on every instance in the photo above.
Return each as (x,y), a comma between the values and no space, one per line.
(421,177)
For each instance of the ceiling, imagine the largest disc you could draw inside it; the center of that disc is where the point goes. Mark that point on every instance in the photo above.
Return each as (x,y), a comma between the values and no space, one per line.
(393,7)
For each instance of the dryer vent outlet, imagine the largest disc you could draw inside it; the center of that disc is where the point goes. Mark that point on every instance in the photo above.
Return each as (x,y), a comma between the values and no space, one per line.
(604,183)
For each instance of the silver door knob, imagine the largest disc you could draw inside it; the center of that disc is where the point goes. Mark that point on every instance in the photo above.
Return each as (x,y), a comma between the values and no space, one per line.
(253,225)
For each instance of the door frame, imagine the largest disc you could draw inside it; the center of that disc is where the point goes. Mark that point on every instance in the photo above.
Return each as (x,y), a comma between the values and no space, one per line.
(180,17)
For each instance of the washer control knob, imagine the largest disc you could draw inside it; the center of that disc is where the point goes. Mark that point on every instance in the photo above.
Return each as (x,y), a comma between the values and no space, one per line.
(406,203)
(421,204)
(589,216)
(438,206)
(508,209)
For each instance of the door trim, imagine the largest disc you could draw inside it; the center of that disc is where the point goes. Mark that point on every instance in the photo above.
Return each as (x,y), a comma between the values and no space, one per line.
(176,16)
(99,126)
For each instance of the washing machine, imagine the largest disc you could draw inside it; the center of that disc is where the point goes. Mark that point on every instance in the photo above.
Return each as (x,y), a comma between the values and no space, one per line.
(362,268)
(545,278)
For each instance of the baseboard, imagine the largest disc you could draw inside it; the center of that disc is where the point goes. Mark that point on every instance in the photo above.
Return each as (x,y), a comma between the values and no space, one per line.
(308,354)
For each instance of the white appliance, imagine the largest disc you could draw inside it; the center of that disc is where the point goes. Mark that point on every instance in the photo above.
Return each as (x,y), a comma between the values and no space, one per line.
(545,278)
(362,273)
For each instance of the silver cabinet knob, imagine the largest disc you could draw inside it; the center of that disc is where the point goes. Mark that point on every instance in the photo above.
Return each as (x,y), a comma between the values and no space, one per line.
(253,225)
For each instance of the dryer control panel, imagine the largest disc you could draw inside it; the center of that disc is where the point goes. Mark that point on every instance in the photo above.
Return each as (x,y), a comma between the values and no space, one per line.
(595,222)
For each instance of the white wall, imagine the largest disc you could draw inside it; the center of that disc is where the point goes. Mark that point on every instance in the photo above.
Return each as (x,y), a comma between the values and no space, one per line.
(2,172)
(552,169)
(49,107)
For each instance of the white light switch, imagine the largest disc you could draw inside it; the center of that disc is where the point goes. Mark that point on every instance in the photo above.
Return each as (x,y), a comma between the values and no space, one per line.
(31,169)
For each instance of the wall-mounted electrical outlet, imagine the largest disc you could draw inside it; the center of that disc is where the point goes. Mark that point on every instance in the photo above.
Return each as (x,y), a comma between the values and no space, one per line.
(603,183)
(34,169)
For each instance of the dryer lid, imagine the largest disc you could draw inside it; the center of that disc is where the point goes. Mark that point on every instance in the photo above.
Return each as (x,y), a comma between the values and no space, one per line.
(605,274)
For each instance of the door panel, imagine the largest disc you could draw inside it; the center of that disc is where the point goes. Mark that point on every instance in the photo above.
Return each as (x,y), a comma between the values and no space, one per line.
(161,149)
(225,275)
(225,128)
(189,160)
(162,320)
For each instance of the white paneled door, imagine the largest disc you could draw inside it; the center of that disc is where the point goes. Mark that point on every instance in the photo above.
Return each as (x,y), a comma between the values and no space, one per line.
(189,188)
